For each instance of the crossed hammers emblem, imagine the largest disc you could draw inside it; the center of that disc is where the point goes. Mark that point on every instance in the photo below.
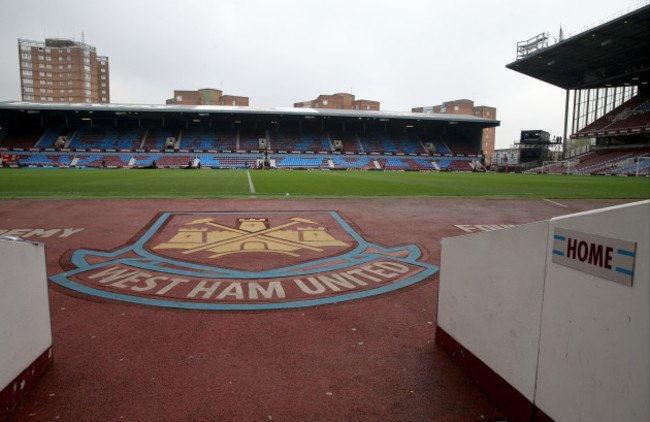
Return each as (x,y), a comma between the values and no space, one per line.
(261,234)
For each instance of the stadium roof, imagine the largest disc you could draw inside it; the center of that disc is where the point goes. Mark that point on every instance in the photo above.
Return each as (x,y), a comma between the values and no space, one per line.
(616,53)
(155,110)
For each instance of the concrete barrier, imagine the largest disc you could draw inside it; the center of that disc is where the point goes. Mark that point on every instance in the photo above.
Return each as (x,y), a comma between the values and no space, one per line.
(552,319)
(25,329)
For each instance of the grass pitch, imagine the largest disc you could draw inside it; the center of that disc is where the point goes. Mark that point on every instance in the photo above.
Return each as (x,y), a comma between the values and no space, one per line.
(203,184)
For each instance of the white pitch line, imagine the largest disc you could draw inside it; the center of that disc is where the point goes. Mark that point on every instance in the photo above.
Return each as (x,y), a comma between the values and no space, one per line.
(556,203)
(250,182)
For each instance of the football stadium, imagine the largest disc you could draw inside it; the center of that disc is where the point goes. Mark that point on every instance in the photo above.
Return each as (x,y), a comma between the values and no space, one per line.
(199,262)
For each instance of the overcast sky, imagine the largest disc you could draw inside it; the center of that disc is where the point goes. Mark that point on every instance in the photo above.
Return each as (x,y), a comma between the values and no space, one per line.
(403,53)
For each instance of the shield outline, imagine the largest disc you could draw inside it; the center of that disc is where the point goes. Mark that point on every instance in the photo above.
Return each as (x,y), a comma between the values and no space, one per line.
(150,262)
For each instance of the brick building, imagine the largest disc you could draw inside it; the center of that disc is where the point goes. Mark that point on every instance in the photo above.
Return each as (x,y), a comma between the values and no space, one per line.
(206,96)
(467,107)
(339,101)
(62,71)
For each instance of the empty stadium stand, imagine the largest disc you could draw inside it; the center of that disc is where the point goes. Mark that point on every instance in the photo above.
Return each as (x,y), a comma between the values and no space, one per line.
(229,144)
(604,161)
(301,162)
(630,117)
(208,140)
(354,163)
(156,138)
(25,138)
(299,141)
(107,138)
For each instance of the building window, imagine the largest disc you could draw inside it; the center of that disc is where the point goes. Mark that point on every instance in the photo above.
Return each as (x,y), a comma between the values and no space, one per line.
(179,98)
(26,56)
(29,98)
(27,72)
(28,89)
(28,81)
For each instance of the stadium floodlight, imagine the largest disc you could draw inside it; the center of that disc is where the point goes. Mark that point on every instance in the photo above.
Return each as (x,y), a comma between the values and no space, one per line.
(532,45)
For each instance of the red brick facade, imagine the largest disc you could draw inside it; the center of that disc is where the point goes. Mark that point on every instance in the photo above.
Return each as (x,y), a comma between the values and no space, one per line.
(206,96)
(62,71)
(341,101)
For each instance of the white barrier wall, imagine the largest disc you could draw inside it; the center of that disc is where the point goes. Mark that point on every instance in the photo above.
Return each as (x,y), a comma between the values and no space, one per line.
(547,340)
(25,330)
(595,342)
(502,329)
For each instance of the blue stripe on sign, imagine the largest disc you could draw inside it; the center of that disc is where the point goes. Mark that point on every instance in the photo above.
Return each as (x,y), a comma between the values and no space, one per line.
(624,252)
(556,252)
(558,237)
(624,271)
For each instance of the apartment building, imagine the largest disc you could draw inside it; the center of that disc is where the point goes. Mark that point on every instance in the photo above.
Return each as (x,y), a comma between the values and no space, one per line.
(62,71)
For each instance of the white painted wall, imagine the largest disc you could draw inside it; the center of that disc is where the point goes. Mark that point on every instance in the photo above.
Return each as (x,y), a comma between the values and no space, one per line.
(574,344)
(490,298)
(25,330)
(595,345)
